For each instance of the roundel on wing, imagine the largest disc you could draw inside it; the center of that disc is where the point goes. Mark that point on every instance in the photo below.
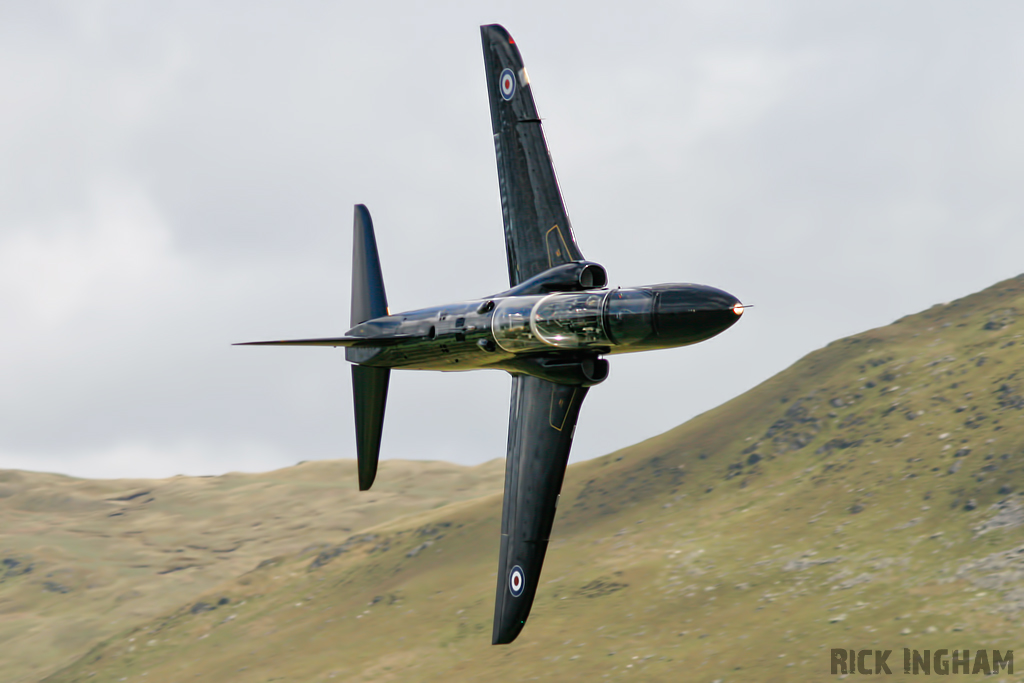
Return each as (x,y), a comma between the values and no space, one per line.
(516,581)
(507,84)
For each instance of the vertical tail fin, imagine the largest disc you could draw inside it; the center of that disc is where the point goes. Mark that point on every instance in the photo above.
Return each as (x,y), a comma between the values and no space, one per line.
(368,297)
(370,395)
(369,384)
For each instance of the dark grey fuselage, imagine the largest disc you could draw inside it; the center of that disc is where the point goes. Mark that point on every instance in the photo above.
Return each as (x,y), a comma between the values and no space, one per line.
(467,336)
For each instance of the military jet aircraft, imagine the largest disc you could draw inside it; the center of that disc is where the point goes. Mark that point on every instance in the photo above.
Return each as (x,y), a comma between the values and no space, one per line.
(550,331)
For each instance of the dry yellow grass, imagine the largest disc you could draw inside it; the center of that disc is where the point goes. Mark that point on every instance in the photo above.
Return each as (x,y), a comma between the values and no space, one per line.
(82,559)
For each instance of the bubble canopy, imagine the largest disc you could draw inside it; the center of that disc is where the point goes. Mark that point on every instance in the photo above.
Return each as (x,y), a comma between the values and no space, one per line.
(568,320)
(571,320)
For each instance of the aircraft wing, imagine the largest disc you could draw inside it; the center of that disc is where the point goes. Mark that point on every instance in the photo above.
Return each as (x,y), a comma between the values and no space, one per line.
(542,419)
(537,231)
(391,340)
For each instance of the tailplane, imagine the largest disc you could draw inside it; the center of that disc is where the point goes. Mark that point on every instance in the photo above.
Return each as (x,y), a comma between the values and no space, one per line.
(369,384)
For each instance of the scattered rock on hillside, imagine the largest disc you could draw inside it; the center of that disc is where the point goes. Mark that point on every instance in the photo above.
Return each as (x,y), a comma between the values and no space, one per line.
(331,553)
(997,320)
(201,607)
(1007,397)
(418,549)
(204,606)
(1001,571)
(433,529)
(907,524)
(11,567)
(270,562)
(54,587)
(795,429)
(1009,513)
(854,581)
(806,563)
(600,587)
(838,444)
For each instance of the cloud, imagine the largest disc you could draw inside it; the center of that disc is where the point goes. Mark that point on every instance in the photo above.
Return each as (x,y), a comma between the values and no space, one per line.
(134,460)
(177,178)
(109,255)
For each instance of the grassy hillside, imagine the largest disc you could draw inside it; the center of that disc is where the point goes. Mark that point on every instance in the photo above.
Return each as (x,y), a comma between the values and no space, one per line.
(84,559)
(867,497)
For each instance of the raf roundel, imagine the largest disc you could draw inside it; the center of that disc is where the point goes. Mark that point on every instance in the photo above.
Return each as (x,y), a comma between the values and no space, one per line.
(516,581)
(507,84)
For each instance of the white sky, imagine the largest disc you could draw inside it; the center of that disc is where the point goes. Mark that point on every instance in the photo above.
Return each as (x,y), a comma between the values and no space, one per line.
(175,177)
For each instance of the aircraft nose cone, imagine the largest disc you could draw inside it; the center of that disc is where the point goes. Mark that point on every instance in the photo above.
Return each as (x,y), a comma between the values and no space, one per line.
(686,314)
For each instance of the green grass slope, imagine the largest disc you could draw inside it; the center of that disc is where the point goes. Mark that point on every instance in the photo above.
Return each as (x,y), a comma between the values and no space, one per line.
(83,559)
(867,497)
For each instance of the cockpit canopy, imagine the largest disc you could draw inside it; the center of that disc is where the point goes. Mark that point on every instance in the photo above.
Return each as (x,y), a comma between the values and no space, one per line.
(565,320)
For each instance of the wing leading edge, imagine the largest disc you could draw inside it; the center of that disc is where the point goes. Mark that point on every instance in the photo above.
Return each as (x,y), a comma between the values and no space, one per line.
(542,419)
(337,341)
(537,231)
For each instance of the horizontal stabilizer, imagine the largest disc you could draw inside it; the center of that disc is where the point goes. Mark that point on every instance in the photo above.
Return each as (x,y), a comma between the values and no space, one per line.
(336,341)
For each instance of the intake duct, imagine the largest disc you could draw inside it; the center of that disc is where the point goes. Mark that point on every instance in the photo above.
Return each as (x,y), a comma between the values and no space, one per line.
(577,276)
(592,276)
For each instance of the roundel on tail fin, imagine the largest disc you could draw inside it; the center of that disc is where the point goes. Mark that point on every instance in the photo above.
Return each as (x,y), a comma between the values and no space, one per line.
(507,84)
(516,581)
